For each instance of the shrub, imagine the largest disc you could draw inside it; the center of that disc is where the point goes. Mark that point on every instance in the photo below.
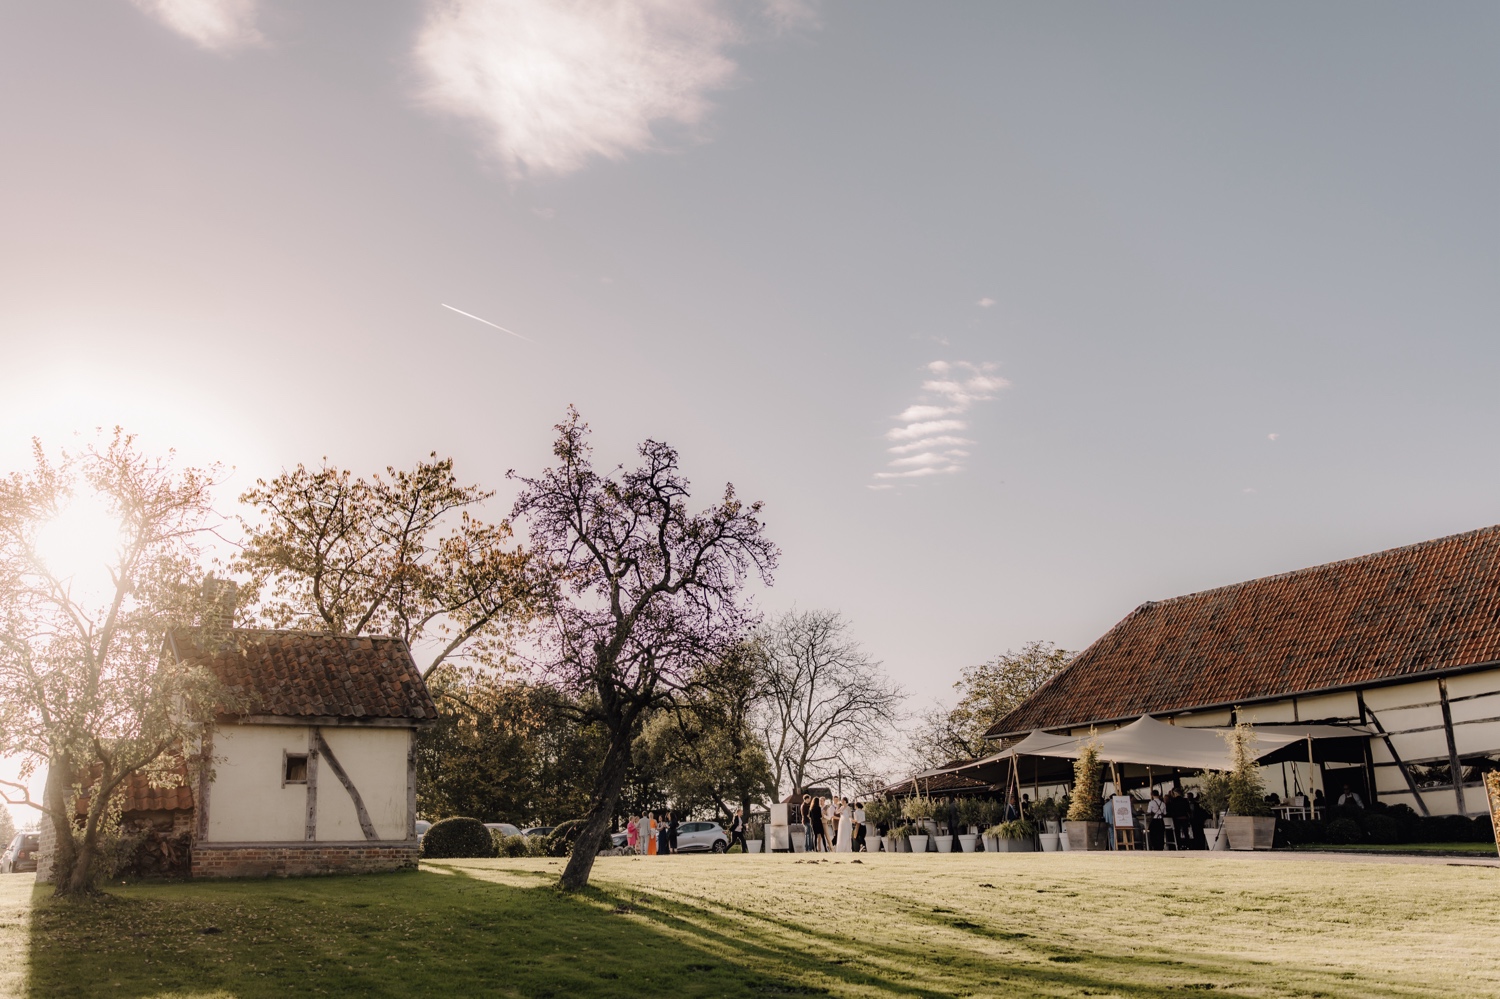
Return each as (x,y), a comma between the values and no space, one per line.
(559,842)
(1457,829)
(1381,829)
(1087,790)
(513,846)
(1345,831)
(1484,830)
(1301,831)
(1014,829)
(459,836)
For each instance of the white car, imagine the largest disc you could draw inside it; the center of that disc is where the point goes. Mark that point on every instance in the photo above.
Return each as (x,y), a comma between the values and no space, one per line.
(701,837)
(503,828)
(422,826)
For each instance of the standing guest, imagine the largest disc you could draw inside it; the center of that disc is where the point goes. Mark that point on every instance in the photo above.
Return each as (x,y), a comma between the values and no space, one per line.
(951,816)
(653,835)
(632,833)
(846,826)
(1156,826)
(830,822)
(1025,806)
(1199,818)
(663,835)
(737,829)
(819,829)
(1109,819)
(859,827)
(807,828)
(1181,814)
(672,831)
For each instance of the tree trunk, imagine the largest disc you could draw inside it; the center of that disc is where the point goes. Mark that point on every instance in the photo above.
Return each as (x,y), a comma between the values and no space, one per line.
(596,824)
(55,802)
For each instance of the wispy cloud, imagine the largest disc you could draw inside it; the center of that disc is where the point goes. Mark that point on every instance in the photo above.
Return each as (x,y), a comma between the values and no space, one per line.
(217,25)
(985,303)
(555,84)
(926,439)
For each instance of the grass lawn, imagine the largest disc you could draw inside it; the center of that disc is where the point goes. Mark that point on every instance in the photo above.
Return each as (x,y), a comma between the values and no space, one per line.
(1011,925)
(1467,849)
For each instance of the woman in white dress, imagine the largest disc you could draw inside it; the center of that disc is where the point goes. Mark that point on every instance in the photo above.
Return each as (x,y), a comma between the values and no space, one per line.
(846,827)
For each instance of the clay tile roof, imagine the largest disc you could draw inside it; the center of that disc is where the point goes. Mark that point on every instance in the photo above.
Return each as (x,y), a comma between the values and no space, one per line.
(316,674)
(140,796)
(1423,608)
(939,783)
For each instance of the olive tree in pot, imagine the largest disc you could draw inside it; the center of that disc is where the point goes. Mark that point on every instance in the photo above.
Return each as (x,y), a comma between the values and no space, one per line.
(880,813)
(918,809)
(990,813)
(1045,813)
(968,817)
(1250,824)
(1084,827)
(1213,796)
(755,835)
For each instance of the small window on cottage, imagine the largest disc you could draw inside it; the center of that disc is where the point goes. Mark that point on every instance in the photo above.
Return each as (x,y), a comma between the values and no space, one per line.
(296,769)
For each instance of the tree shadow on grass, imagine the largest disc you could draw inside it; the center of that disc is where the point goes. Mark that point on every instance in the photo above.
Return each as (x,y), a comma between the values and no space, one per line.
(458,932)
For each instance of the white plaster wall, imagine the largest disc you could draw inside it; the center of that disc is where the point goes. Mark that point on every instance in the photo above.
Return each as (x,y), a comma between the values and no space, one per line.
(1379,699)
(375,760)
(246,802)
(1328,707)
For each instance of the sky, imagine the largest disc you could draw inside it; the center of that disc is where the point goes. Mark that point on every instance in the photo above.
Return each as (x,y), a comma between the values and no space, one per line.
(1015,315)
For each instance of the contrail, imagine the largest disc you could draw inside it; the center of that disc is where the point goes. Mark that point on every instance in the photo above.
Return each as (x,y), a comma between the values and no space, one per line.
(502,329)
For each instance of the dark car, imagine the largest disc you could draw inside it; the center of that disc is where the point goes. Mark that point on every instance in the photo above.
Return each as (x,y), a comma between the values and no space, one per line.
(21,854)
(538,831)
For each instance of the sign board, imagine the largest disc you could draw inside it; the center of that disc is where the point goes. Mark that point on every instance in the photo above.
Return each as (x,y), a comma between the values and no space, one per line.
(1124,816)
(1492,790)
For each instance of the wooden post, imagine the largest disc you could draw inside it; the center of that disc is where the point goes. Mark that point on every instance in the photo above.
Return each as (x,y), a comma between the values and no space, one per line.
(1453,764)
(310,833)
(1390,746)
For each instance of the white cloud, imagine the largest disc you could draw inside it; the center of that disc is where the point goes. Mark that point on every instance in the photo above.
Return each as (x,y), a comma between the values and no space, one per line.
(1272,437)
(927,444)
(556,84)
(985,303)
(217,25)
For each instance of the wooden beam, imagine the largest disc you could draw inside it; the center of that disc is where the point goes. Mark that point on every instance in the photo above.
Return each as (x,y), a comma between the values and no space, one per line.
(1457,776)
(205,778)
(365,825)
(1390,746)
(310,833)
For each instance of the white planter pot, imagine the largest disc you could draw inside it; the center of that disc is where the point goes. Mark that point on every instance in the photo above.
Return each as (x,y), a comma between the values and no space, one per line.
(918,843)
(1062,843)
(944,844)
(752,846)
(1050,841)
(1016,846)
(888,844)
(989,845)
(966,841)
(1218,838)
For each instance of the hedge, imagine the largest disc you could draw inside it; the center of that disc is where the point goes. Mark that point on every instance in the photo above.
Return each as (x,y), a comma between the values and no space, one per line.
(459,836)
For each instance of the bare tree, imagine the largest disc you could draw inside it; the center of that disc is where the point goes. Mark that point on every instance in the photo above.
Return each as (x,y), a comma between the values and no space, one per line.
(84,687)
(828,706)
(648,591)
(399,555)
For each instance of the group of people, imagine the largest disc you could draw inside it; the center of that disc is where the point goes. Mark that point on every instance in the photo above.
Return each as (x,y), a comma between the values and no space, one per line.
(654,834)
(833,824)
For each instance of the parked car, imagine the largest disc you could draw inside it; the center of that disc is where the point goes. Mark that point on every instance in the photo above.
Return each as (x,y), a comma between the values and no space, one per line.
(21,854)
(538,830)
(702,837)
(503,828)
(422,826)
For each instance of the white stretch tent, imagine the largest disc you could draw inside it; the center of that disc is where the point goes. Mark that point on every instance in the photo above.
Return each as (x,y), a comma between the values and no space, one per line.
(1151,743)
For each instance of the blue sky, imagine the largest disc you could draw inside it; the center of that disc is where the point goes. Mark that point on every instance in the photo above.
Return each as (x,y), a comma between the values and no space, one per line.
(1196,292)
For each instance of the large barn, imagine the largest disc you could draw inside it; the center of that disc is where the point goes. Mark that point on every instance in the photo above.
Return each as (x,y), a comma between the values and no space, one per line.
(1387,665)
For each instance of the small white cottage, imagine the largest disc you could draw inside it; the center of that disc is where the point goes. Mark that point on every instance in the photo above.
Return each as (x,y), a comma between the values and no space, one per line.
(320,775)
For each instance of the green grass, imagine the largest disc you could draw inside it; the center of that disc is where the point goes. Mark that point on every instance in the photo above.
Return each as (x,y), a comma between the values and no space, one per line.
(1013,925)
(1466,849)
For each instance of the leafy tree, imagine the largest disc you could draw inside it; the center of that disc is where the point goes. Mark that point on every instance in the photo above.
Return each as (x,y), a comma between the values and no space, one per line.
(84,687)
(7,827)
(505,750)
(827,705)
(703,745)
(986,693)
(401,554)
(648,591)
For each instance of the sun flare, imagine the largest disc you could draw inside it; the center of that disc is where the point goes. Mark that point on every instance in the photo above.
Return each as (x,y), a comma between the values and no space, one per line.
(80,543)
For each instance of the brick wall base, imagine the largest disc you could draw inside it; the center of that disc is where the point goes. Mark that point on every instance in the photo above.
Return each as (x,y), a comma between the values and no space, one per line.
(283,860)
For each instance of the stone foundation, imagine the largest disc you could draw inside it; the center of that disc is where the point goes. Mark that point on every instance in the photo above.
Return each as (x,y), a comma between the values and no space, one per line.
(282,860)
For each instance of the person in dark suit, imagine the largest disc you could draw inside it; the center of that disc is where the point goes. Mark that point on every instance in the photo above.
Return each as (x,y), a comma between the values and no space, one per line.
(672,831)
(819,831)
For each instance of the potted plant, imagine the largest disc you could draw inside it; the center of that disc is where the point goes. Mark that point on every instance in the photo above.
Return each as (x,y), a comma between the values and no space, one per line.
(1045,813)
(989,814)
(918,810)
(1084,826)
(1014,836)
(1250,824)
(968,817)
(879,812)
(755,832)
(899,840)
(1213,797)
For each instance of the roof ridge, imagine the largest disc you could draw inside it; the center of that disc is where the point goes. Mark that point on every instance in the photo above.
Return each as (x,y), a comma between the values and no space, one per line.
(1290,573)
(305,632)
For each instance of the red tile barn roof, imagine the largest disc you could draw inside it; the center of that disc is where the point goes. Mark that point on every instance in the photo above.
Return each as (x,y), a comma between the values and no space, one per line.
(316,674)
(1413,610)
